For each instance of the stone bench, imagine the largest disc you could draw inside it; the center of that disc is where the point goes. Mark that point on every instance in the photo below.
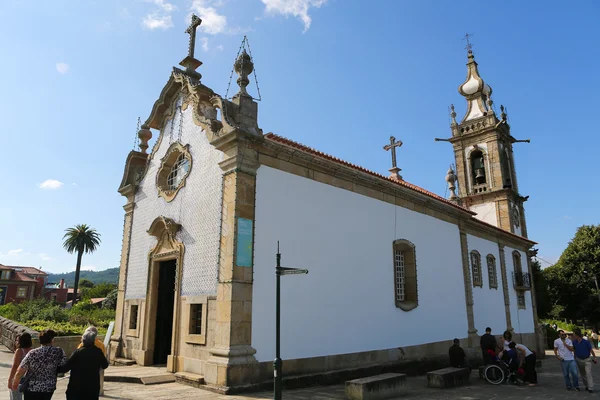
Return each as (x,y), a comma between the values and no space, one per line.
(376,387)
(448,377)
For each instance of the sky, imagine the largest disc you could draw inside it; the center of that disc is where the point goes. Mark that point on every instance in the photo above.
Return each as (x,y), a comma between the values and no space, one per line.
(341,76)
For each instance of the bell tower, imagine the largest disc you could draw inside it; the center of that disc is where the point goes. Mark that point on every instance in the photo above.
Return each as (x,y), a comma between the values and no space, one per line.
(483,150)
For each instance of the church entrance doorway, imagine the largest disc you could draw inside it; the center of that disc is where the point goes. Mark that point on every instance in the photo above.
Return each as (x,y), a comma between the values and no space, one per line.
(164,311)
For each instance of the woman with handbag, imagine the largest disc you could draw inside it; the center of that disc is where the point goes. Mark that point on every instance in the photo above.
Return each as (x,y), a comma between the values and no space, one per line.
(39,368)
(23,346)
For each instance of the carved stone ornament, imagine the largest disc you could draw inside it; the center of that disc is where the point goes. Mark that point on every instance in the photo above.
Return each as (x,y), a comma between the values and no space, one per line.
(164,229)
(516,215)
(174,169)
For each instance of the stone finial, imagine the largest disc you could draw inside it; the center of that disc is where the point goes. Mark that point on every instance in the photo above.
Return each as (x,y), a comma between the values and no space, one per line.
(451,180)
(145,135)
(453,114)
(243,66)
(503,115)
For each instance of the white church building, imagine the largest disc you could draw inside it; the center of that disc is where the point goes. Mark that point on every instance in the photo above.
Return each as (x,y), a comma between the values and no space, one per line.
(396,272)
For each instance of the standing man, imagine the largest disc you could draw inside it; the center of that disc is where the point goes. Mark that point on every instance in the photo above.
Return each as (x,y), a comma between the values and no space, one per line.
(583,356)
(487,343)
(563,348)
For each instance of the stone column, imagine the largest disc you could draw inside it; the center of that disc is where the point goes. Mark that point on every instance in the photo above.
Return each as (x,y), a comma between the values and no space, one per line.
(116,340)
(472,332)
(231,361)
(505,286)
(536,323)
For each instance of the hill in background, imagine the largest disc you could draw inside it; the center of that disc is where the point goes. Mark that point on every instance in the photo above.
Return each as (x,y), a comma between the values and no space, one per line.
(110,275)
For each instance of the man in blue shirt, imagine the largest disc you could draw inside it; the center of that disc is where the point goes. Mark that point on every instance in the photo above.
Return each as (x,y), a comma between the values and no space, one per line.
(584,355)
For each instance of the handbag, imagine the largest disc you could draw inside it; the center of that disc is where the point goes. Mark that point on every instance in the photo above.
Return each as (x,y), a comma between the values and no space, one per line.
(24,383)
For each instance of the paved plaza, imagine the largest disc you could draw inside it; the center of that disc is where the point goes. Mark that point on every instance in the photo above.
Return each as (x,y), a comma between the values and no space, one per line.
(551,387)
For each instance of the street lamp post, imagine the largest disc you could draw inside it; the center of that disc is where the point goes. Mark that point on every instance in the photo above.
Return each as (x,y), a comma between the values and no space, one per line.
(277,364)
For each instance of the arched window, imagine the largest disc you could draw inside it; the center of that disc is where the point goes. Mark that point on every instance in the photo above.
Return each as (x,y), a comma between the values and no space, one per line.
(492,275)
(506,173)
(521,280)
(517,262)
(476,268)
(405,275)
(478,167)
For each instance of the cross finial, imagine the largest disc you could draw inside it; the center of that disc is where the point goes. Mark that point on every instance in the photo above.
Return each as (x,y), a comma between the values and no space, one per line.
(392,146)
(469,45)
(191,30)
(190,63)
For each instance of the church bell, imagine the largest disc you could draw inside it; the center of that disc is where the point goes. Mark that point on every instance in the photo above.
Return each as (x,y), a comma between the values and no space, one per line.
(479,175)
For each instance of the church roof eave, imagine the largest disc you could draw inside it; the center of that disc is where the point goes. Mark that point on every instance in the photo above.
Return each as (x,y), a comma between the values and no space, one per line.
(417,189)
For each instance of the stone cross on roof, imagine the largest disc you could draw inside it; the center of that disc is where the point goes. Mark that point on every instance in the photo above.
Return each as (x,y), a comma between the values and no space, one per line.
(190,63)
(191,30)
(392,146)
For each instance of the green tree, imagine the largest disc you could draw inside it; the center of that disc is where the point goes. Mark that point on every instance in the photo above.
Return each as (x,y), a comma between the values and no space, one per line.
(571,282)
(86,283)
(79,239)
(544,303)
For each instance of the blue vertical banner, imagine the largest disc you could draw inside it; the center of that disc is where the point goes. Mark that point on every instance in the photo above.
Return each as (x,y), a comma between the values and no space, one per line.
(244,243)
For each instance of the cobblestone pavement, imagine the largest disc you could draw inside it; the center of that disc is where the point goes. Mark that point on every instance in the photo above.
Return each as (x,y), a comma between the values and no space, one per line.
(551,387)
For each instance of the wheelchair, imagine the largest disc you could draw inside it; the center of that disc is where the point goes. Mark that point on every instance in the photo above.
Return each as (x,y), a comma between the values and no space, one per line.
(500,372)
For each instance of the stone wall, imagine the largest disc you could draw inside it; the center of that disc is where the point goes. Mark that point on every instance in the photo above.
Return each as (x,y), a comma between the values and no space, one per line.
(9,330)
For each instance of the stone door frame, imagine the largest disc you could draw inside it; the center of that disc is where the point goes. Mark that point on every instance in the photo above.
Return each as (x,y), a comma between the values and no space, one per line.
(167,248)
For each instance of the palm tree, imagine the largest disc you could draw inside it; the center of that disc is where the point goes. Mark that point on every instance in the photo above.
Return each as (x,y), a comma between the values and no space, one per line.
(81,238)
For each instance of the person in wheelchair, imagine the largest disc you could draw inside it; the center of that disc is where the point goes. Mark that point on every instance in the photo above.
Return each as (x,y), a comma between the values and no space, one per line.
(510,358)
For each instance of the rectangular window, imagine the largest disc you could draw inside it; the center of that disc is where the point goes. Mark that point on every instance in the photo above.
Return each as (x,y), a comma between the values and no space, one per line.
(400,275)
(133,317)
(22,291)
(521,300)
(196,319)
(5,275)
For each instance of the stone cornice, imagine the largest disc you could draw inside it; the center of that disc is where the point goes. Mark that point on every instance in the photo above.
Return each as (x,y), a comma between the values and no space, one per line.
(353,175)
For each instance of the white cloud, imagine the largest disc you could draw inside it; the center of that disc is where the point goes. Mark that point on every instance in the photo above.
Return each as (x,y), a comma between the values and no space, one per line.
(45,257)
(62,68)
(164,5)
(161,17)
(15,252)
(74,184)
(294,8)
(204,42)
(213,23)
(51,184)
(155,21)
(220,47)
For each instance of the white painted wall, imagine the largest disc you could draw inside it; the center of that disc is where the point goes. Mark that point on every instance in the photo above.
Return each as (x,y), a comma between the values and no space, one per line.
(488,307)
(197,207)
(346,302)
(486,212)
(522,320)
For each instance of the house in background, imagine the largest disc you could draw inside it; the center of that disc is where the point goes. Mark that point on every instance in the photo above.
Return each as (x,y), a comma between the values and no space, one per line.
(19,284)
(56,291)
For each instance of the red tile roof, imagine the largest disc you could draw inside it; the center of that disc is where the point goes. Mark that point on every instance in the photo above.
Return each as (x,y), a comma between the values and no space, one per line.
(26,270)
(290,143)
(298,146)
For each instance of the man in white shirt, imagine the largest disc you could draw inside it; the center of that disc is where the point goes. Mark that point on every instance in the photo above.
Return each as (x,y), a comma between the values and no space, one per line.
(563,349)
